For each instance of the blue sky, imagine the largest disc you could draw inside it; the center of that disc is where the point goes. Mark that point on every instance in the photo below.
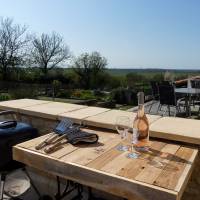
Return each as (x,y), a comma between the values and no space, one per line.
(129,33)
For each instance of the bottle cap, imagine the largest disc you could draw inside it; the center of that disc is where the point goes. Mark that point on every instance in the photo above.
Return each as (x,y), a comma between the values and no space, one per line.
(140,96)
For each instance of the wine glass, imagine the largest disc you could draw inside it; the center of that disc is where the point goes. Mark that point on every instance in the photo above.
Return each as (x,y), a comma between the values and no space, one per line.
(122,126)
(132,136)
(140,152)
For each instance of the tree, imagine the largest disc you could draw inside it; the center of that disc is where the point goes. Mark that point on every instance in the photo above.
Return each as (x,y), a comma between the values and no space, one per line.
(13,40)
(134,78)
(49,51)
(87,67)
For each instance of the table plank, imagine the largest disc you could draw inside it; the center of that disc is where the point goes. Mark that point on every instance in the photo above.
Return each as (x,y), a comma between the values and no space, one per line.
(178,129)
(103,181)
(171,173)
(86,154)
(136,166)
(155,166)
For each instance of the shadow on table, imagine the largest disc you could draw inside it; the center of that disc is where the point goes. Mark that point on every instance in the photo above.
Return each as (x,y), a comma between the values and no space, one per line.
(164,160)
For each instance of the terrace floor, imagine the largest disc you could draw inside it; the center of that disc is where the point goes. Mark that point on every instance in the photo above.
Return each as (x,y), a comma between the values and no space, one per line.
(156,111)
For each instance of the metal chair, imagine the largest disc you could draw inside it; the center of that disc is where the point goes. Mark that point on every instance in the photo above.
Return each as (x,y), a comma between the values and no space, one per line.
(168,98)
(155,94)
(196,99)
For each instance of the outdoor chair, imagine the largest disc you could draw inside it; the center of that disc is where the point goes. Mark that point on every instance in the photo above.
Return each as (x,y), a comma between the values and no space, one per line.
(11,133)
(155,94)
(196,99)
(168,98)
(166,83)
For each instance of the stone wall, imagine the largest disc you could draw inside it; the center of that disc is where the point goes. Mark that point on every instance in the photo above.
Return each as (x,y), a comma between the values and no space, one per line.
(44,126)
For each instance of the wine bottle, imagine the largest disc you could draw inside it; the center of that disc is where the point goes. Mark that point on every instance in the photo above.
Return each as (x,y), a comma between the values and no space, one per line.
(141,125)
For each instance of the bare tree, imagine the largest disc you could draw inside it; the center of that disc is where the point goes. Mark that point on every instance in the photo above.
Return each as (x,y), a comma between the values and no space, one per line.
(88,66)
(13,40)
(49,51)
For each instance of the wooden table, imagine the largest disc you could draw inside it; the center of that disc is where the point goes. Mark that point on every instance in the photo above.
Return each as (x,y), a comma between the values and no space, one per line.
(103,167)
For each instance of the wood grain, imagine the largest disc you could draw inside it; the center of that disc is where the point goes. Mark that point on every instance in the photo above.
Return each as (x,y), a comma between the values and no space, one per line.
(105,168)
(171,173)
(119,186)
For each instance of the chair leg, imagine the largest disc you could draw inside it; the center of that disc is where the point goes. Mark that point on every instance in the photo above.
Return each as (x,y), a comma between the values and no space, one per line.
(199,110)
(169,110)
(150,107)
(176,108)
(159,107)
(164,111)
(3,178)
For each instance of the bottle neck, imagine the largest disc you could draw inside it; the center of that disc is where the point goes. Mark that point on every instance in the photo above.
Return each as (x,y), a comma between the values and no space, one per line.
(141,110)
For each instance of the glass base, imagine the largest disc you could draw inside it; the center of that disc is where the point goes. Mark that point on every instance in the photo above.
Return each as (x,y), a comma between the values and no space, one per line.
(142,149)
(133,155)
(122,148)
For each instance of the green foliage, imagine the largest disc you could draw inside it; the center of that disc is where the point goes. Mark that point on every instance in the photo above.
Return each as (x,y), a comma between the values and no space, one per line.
(63,93)
(83,94)
(4,96)
(124,96)
(25,91)
(158,77)
(56,87)
(88,67)
(134,78)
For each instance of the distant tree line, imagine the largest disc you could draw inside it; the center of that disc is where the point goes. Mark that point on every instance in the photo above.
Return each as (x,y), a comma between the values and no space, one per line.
(34,58)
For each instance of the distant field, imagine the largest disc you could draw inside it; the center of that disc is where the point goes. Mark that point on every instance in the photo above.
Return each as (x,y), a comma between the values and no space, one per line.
(148,72)
(151,72)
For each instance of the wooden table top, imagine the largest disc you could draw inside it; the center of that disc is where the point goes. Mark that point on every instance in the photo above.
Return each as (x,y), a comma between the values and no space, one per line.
(103,167)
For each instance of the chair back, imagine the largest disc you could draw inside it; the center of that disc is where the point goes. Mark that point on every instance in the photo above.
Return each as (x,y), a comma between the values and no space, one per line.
(195,83)
(154,89)
(167,95)
(166,83)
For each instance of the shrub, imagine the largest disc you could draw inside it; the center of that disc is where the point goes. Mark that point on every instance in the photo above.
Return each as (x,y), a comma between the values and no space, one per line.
(83,94)
(4,97)
(27,91)
(124,96)
(63,93)
(56,87)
